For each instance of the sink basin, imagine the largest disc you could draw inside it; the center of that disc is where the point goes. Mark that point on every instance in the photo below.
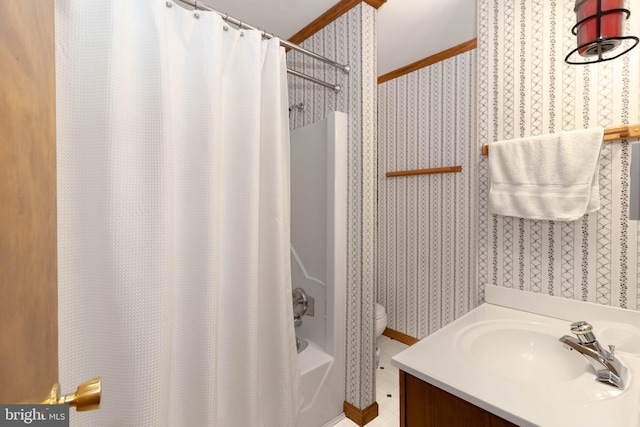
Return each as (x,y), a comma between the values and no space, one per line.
(508,360)
(521,351)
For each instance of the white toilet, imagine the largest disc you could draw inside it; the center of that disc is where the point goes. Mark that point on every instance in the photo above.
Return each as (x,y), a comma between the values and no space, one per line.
(381,319)
(381,324)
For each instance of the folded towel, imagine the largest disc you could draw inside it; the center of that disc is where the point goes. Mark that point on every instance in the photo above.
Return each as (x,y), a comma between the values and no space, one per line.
(550,177)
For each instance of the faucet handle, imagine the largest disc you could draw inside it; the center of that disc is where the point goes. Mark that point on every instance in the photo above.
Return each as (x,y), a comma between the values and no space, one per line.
(581,327)
(583,331)
(297,320)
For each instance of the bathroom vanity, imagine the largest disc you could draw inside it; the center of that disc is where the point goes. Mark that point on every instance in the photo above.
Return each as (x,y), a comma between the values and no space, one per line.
(503,364)
(425,405)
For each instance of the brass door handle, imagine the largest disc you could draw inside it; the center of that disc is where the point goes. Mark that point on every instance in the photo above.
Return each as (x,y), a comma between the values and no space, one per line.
(86,397)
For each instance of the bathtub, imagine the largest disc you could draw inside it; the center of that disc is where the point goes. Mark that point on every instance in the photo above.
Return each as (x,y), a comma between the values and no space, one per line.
(323,398)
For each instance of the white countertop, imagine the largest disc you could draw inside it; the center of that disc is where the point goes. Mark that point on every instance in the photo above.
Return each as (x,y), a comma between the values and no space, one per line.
(444,359)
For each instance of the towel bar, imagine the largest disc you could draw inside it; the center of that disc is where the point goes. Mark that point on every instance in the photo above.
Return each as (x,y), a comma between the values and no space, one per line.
(610,134)
(431,171)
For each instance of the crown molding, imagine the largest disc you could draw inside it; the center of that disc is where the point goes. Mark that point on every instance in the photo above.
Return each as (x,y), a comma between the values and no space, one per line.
(445,54)
(339,9)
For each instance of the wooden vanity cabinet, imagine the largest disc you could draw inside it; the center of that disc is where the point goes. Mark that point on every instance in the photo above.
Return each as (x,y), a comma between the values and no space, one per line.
(424,405)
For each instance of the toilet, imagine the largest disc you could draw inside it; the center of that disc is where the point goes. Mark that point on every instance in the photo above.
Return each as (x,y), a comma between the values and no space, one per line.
(381,325)
(381,319)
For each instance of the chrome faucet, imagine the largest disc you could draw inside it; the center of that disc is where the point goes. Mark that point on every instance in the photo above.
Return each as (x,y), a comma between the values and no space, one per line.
(608,368)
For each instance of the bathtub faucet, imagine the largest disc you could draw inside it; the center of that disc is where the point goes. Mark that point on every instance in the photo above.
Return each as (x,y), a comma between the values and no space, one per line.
(608,368)
(303,304)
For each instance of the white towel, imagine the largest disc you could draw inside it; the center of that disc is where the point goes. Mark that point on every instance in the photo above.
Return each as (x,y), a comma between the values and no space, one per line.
(549,177)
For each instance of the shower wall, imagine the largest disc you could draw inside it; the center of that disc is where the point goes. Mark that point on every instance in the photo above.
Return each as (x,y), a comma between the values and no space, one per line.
(351,39)
(525,88)
(318,196)
(318,240)
(427,224)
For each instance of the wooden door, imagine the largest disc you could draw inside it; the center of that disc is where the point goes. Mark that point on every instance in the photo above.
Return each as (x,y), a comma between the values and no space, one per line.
(28,263)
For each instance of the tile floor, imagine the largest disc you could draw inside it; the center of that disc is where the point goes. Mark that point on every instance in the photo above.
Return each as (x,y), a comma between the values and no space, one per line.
(387,387)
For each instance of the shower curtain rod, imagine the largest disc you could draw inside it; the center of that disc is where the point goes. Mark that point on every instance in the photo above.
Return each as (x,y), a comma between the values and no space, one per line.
(336,88)
(197,5)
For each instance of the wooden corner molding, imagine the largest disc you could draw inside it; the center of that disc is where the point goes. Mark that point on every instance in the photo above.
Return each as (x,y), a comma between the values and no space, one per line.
(375,3)
(360,417)
(445,54)
(339,9)
(399,336)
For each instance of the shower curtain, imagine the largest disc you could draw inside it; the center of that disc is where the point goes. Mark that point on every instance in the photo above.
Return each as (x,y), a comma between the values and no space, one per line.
(173,217)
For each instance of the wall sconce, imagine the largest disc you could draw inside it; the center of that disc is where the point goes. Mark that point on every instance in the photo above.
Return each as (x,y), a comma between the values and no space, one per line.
(599,30)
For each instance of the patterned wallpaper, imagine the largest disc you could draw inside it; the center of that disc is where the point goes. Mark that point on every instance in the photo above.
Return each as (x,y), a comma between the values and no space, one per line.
(427,224)
(525,88)
(350,40)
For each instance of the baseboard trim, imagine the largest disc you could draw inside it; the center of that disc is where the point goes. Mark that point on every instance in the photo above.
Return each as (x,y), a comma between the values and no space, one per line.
(399,336)
(360,417)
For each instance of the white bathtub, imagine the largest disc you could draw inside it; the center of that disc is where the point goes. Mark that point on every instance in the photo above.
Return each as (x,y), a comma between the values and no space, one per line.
(323,395)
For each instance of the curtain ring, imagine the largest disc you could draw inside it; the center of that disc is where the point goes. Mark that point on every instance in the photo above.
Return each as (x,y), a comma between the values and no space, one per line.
(224,18)
(196,14)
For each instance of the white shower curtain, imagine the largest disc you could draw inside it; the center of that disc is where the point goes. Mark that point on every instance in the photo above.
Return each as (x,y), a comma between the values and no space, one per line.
(173,217)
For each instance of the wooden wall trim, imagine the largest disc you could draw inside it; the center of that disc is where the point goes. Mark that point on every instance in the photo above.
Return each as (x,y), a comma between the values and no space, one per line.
(399,336)
(360,417)
(339,9)
(445,54)
(375,3)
